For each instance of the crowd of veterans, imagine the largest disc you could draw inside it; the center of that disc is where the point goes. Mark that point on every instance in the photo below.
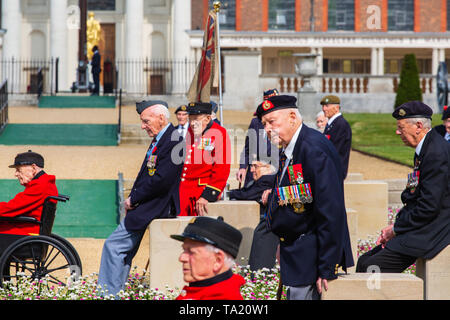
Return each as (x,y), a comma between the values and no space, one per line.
(295,172)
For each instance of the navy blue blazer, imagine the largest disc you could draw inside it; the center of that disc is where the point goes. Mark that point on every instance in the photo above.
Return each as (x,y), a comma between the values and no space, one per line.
(156,196)
(422,226)
(313,243)
(256,149)
(340,134)
(254,190)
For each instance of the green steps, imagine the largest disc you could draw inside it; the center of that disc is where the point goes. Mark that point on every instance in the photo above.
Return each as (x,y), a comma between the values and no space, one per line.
(60,134)
(91,212)
(77,102)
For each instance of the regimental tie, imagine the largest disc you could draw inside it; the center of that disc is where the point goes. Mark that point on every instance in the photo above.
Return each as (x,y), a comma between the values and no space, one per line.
(283,159)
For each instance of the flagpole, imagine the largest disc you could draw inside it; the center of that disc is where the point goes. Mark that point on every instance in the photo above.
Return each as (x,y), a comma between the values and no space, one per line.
(217,5)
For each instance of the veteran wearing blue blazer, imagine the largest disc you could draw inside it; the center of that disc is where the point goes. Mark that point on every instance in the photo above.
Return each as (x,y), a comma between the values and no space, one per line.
(306,207)
(154,195)
(422,226)
(337,130)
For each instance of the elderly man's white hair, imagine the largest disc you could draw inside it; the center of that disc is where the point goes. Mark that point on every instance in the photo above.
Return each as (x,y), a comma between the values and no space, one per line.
(425,121)
(229,261)
(161,109)
(320,114)
(296,111)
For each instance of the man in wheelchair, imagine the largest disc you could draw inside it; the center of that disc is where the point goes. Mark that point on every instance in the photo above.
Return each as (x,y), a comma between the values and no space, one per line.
(28,203)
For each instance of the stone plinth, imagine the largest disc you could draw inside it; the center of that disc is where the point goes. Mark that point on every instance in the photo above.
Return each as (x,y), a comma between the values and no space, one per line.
(436,275)
(164,267)
(370,199)
(244,216)
(375,286)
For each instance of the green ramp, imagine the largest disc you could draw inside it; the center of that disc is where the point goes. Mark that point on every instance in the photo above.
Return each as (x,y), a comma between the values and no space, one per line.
(91,212)
(60,134)
(77,102)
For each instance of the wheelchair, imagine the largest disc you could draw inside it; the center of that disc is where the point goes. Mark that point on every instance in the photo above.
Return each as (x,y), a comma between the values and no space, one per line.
(44,255)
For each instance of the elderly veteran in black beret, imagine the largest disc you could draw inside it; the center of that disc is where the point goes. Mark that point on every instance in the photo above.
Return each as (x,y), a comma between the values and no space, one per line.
(209,248)
(183,120)
(256,146)
(154,195)
(422,226)
(444,128)
(306,208)
(337,129)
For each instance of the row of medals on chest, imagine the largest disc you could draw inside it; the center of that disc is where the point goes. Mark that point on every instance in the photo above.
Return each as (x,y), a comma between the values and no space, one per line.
(297,193)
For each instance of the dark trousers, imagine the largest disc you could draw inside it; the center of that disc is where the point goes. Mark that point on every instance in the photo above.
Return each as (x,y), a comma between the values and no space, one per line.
(264,247)
(386,260)
(96,76)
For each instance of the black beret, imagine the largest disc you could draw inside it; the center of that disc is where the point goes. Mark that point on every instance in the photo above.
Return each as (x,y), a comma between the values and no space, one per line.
(212,231)
(183,107)
(276,103)
(141,106)
(270,93)
(446,113)
(199,108)
(28,158)
(412,109)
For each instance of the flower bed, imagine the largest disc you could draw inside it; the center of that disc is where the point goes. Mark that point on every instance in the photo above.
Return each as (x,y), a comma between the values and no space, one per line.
(260,285)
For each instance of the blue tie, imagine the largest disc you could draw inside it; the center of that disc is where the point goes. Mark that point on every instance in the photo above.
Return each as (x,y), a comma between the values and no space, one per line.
(150,150)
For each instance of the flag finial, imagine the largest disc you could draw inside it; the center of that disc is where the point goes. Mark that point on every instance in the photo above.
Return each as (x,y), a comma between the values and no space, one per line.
(216,5)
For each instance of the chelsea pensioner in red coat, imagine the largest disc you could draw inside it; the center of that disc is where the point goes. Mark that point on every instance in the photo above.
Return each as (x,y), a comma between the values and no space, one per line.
(207,161)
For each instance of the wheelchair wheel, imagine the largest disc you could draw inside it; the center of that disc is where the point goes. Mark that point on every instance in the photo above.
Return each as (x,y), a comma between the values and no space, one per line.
(71,248)
(37,257)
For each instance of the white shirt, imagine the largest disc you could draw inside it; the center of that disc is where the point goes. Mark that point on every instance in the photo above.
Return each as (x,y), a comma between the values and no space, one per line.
(419,146)
(447,136)
(289,149)
(183,129)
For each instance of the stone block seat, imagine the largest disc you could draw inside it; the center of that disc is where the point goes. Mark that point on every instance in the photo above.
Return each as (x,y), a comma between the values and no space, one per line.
(436,275)
(374,286)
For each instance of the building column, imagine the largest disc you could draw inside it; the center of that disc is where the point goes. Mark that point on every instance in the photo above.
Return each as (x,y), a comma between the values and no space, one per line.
(435,60)
(133,28)
(181,23)
(319,60)
(58,39)
(374,61)
(380,61)
(134,19)
(12,21)
(441,55)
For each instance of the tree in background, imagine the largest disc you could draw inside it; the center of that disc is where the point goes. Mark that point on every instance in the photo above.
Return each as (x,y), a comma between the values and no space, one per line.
(409,87)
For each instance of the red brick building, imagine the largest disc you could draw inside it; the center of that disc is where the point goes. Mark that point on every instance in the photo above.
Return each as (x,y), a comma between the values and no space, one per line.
(347,21)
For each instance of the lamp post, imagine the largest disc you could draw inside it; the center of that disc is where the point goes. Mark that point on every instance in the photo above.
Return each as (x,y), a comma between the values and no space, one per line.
(306,67)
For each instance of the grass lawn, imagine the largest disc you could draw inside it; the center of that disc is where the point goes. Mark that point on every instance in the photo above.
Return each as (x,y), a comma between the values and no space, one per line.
(374,133)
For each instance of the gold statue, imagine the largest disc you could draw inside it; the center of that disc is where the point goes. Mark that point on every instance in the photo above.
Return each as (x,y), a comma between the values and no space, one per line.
(93,34)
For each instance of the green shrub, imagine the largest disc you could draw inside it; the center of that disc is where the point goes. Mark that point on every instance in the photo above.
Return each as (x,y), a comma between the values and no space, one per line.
(409,87)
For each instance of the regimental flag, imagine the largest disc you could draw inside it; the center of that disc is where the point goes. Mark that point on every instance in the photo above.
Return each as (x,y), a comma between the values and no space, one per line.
(207,71)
